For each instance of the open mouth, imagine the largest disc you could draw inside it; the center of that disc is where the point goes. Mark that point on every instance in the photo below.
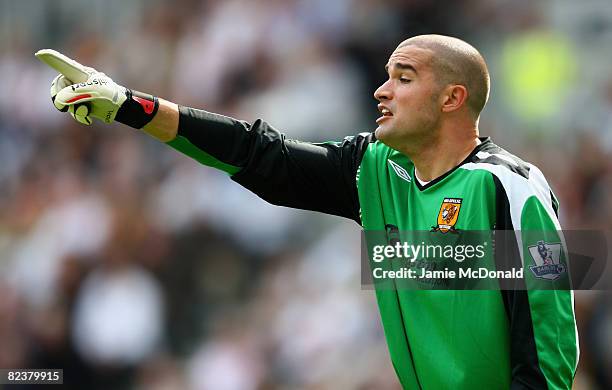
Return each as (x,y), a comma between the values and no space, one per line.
(386,113)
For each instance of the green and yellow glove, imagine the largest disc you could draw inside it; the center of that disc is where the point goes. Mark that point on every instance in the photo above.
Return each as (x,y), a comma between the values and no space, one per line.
(85,93)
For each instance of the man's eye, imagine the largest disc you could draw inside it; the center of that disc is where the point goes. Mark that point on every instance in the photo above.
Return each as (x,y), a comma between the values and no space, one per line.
(404,80)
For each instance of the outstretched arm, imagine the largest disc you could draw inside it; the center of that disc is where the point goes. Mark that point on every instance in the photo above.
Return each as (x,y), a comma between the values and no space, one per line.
(319,177)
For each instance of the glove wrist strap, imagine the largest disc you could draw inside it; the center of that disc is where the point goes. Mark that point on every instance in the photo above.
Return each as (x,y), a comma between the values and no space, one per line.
(138,109)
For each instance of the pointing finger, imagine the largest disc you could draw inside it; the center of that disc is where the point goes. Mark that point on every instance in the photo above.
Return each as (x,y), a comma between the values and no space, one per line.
(73,70)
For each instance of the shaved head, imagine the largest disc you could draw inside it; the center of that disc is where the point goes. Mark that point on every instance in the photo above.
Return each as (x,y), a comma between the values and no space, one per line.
(457,62)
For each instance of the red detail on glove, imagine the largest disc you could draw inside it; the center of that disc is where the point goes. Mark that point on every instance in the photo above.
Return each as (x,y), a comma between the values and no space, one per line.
(147,105)
(78,97)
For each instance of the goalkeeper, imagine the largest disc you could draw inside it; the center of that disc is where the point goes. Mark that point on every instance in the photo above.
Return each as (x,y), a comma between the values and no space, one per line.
(424,157)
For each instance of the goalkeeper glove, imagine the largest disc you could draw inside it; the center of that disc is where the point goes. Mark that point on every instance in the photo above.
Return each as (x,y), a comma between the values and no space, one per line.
(86,93)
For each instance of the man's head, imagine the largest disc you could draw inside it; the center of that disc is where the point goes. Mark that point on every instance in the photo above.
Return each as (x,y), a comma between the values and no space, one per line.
(432,78)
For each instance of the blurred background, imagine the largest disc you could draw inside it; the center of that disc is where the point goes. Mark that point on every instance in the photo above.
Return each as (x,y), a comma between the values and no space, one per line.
(130,266)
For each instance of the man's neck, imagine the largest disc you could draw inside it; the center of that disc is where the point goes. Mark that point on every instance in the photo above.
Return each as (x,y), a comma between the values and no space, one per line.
(439,156)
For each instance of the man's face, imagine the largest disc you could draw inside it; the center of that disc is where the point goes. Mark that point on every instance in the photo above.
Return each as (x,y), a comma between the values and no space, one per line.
(410,99)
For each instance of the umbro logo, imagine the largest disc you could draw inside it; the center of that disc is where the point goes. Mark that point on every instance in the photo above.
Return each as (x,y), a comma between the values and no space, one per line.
(400,171)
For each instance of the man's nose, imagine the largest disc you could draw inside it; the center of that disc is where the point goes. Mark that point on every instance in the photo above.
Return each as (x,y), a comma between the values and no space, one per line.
(383,92)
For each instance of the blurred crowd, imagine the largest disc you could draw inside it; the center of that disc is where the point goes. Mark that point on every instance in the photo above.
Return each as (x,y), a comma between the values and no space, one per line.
(131,266)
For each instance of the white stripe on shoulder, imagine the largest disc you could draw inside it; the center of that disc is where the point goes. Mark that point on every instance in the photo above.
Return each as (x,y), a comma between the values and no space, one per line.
(519,189)
(483,155)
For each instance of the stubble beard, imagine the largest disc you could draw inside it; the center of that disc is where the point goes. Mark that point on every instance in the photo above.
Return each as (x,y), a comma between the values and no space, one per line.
(409,140)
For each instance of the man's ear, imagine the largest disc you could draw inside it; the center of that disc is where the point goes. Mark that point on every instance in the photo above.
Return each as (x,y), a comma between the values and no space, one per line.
(454,97)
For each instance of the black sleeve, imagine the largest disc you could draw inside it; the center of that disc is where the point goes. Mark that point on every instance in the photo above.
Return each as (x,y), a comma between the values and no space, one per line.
(319,177)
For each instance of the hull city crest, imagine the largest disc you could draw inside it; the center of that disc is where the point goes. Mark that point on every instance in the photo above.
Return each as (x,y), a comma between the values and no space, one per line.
(448,215)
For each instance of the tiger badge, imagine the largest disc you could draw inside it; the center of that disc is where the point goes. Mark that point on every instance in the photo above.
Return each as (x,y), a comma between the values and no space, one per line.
(448,215)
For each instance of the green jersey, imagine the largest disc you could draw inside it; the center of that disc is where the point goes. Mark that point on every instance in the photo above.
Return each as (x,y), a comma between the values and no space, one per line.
(471,339)
(450,339)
